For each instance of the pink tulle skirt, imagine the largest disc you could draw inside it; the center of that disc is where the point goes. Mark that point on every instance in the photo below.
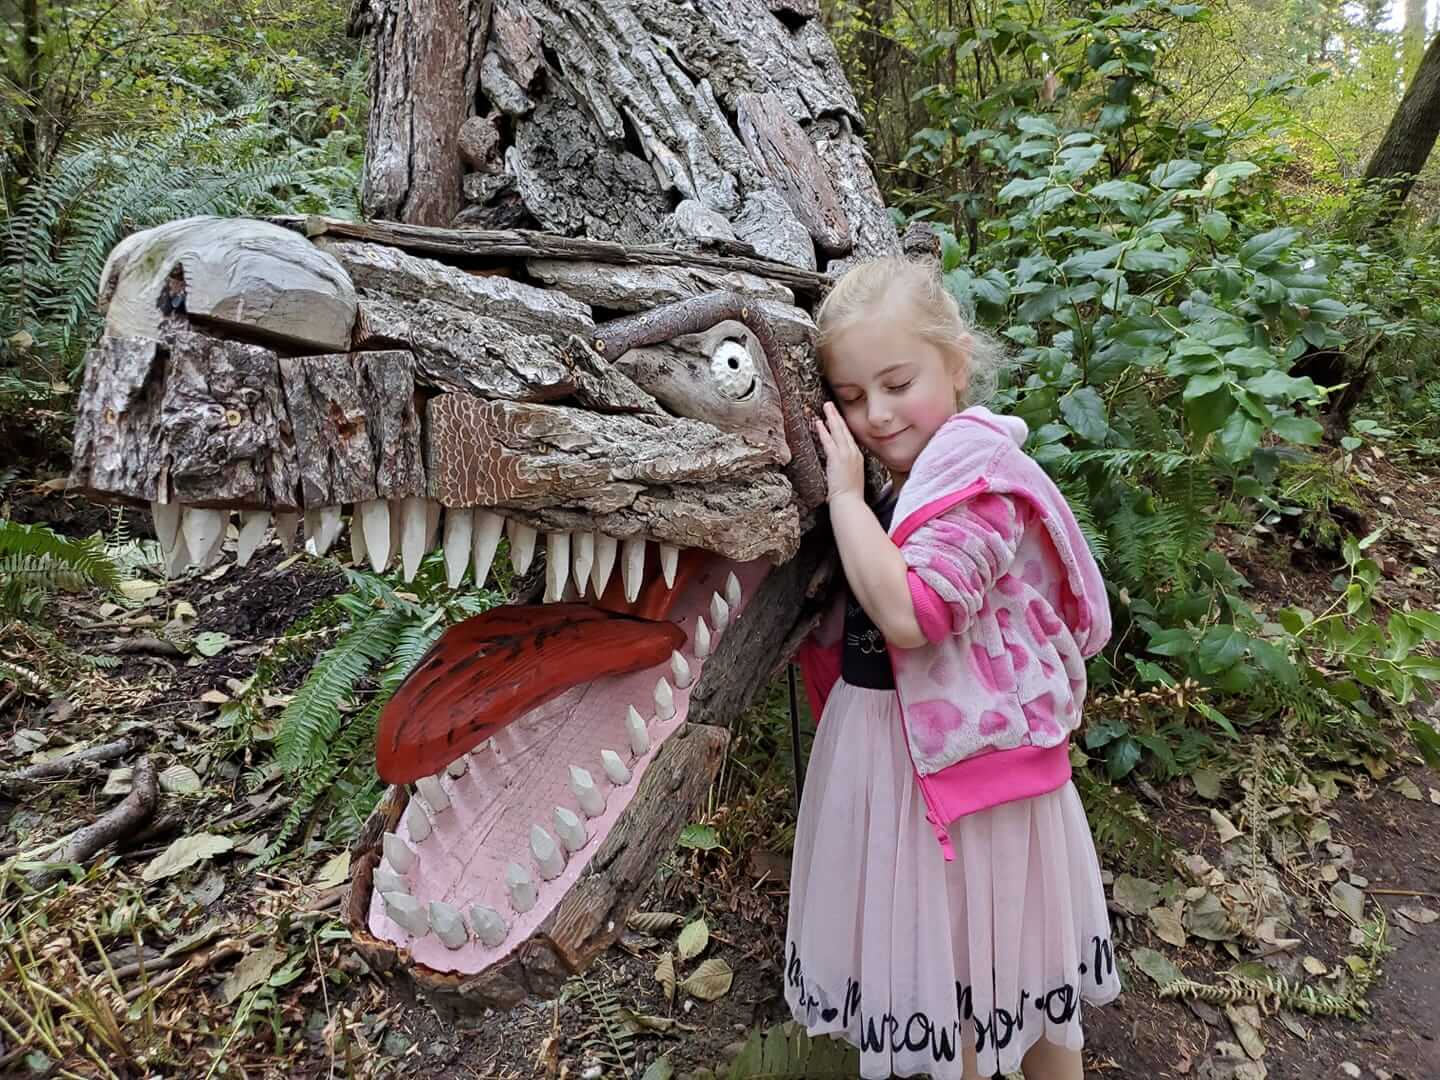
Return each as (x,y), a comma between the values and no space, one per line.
(905,955)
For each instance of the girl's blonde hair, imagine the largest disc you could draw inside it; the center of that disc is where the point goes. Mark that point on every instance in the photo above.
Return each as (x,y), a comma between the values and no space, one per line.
(911,289)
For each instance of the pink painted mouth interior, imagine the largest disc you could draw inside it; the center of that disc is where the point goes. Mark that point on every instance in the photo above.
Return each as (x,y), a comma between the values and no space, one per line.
(521,781)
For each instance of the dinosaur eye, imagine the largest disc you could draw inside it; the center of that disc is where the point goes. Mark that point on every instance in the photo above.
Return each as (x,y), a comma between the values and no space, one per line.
(733,369)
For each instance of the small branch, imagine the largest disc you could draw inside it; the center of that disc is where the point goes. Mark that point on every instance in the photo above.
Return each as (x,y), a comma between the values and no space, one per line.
(146,646)
(67,765)
(133,813)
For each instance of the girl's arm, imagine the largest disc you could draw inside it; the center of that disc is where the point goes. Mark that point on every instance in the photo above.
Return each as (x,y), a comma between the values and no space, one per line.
(874,567)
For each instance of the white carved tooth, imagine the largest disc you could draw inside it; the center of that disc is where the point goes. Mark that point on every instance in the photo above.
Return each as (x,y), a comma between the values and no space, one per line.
(719,612)
(433,793)
(357,541)
(204,532)
(448,925)
(570,827)
(632,566)
(669,560)
(489,927)
(177,559)
(635,728)
(522,545)
(398,853)
(286,522)
(557,565)
(332,520)
(586,793)
(322,527)
(548,856)
(702,638)
(582,557)
(606,548)
(407,911)
(457,767)
(523,890)
(487,530)
(459,524)
(414,516)
(732,592)
(166,517)
(387,881)
(417,821)
(614,768)
(374,525)
(664,700)
(680,668)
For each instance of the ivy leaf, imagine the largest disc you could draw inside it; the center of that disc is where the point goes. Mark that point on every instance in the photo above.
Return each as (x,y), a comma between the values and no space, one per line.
(1215,226)
(1220,180)
(699,837)
(185,852)
(1157,966)
(1275,662)
(1300,430)
(211,643)
(1220,647)
(1267,247)
(1277,384)
(1121,757)
(1174,174)
(1119,191)
(1084,411)
(1240,436)
(1021,188)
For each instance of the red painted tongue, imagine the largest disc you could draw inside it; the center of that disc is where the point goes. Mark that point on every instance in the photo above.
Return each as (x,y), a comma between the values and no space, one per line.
(483,673)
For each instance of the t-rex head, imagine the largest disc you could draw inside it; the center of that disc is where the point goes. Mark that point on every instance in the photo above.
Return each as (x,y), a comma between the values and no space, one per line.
(656,463)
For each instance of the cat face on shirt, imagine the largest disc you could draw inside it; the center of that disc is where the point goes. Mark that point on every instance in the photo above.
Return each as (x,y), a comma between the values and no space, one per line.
(894,389)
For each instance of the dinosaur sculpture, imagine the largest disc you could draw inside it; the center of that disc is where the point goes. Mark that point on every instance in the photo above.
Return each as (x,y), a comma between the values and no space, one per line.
(579,321)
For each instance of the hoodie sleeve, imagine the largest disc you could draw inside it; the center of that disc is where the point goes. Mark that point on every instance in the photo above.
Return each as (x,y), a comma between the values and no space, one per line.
(955,559)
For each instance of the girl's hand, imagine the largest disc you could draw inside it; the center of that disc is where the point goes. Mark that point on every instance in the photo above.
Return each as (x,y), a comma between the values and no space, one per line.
(844,464)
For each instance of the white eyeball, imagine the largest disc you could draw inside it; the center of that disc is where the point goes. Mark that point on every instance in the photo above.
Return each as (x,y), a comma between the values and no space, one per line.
(733,369)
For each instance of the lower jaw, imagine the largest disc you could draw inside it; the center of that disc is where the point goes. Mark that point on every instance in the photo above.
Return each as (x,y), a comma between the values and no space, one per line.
(517,780)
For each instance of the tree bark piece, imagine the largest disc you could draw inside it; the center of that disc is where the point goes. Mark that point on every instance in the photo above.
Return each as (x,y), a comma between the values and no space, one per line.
(422,84)
(783,152)
(117,424)
(681,374)
(636,288)
(222,421)
(387,393)
(700,313)
(130,814)
(491,246)
(843,156)
(768,225)
(749,518)
(604,387)
(384,272)
(480,144)
(456,350)
(231,275)
(573,179)
(499,453)
(587,920)
(329,421)
(1413,129)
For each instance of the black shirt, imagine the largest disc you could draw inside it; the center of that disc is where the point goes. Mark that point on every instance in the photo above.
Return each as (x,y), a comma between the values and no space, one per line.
(864,658)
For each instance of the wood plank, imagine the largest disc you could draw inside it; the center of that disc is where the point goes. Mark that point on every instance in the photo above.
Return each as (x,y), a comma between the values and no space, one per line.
(473,245)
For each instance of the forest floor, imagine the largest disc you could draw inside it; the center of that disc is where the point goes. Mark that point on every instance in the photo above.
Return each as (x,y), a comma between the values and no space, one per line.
(1323,867)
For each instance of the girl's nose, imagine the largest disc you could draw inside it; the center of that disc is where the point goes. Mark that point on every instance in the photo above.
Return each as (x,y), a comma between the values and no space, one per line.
(878,414)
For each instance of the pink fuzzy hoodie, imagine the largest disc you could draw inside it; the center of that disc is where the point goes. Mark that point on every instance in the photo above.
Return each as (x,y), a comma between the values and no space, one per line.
(1011,603)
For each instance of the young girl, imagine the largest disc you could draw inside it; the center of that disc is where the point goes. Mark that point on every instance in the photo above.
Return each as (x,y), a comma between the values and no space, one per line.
(946,910)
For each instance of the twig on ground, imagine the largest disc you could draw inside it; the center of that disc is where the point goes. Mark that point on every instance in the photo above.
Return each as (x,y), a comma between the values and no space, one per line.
(70,763)
(1403,892)
(147,646)
(132,813)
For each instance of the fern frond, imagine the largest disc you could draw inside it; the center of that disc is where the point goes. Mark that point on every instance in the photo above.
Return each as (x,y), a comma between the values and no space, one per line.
(84,557)
(312,718)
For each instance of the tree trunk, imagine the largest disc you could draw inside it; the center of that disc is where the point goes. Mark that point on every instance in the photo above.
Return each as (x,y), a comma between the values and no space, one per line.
(1413,129)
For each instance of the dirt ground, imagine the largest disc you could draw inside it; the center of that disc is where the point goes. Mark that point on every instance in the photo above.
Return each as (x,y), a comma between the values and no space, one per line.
(336,1018)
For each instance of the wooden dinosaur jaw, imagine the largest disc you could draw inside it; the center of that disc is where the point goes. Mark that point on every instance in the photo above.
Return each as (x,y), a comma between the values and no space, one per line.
(488,849)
